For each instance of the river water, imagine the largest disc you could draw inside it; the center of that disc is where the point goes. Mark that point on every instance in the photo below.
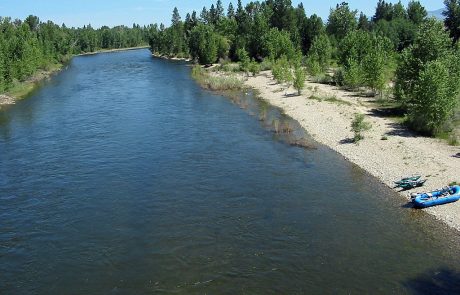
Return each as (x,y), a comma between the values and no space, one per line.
(121,176)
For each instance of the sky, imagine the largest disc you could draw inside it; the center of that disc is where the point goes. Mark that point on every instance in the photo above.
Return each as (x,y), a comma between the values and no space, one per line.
(126,12)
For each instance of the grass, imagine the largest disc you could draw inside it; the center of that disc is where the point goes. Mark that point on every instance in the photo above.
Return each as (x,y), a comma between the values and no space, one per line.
(216,83)
(22,89)
(331,99)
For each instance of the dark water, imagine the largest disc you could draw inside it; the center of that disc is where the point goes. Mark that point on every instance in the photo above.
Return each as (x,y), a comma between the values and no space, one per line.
(122,176)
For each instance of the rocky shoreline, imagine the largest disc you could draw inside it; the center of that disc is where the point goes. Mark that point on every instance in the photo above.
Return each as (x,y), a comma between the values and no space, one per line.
(389,151)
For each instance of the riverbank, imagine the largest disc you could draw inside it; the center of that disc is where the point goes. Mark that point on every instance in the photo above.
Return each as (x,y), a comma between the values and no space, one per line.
(113,50)
(170,57)
(388,152)
(21,90)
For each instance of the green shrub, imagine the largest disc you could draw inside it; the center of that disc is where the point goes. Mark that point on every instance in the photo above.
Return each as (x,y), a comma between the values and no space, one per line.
(358,126)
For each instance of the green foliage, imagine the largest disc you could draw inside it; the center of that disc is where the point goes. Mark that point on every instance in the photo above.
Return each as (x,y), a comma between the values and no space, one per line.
(416,12)
(353,75)
(204,44)
(309,29)
(26,47)
(431,43)
(277,43)
(320,54)
(435,97)
(244,60)
(365,59)
(342,21)
(428,79)
(282,71)
(299,78)
(358,126)
(452,20)
(254,68)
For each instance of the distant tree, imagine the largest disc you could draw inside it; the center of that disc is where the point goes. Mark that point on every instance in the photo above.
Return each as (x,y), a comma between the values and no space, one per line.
(219,11)
(175,20)
(230,11)
(311,28)
(283,16)
(33,22)
(205,16)
(383,11)
(416,12)
(342,21)
(452,18)
(398,11)
(363,22)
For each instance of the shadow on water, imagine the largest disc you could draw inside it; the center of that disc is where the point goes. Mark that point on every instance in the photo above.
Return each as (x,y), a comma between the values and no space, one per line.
(439,281)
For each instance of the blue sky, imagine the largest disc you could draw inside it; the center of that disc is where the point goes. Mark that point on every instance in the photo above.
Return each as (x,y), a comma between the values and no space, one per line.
(143,12)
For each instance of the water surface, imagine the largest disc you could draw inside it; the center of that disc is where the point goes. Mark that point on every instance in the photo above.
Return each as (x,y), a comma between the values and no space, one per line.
(122,176)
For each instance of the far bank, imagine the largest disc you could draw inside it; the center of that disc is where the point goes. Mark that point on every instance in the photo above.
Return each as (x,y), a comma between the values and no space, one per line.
(21,90)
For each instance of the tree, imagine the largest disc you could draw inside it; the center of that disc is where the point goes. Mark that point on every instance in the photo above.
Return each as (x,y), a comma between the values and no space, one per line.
(282,71)
(204,44)
(204,16)
(431,43)
(277,43)
(398,11)
(175,20)
(230,11)
(321,52)
(363,22)
(436,95)
(428,78)
(452,18)
(219,11)
(299,78)
(311,28)
(416,12)
(342,21)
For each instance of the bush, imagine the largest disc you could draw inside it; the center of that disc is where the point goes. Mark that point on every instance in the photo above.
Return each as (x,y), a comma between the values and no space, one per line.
(299,78)
(254,67)
(358,126)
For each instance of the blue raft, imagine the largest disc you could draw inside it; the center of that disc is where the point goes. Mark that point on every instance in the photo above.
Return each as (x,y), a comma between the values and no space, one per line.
(437,197)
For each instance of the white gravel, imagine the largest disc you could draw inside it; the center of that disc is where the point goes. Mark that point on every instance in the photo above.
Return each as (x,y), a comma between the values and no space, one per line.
(402,154)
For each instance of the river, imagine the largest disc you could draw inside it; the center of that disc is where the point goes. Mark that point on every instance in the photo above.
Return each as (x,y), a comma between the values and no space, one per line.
(121,175)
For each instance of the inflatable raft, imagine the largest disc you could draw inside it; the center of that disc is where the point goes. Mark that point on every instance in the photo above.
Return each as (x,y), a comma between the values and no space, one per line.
(438,197)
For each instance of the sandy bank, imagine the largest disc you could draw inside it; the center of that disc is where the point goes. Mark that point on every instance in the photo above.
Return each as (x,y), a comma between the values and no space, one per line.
(400,152)
(171,57)
(112,50)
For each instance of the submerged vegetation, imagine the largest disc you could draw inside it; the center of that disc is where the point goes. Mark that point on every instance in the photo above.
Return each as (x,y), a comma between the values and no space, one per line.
(398,53)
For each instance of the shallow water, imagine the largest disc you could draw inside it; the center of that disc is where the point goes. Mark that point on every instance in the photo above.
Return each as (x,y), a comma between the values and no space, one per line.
(122,176)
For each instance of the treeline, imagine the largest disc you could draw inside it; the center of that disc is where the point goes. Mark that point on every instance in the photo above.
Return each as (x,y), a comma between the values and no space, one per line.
(29,45)
(397,46)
